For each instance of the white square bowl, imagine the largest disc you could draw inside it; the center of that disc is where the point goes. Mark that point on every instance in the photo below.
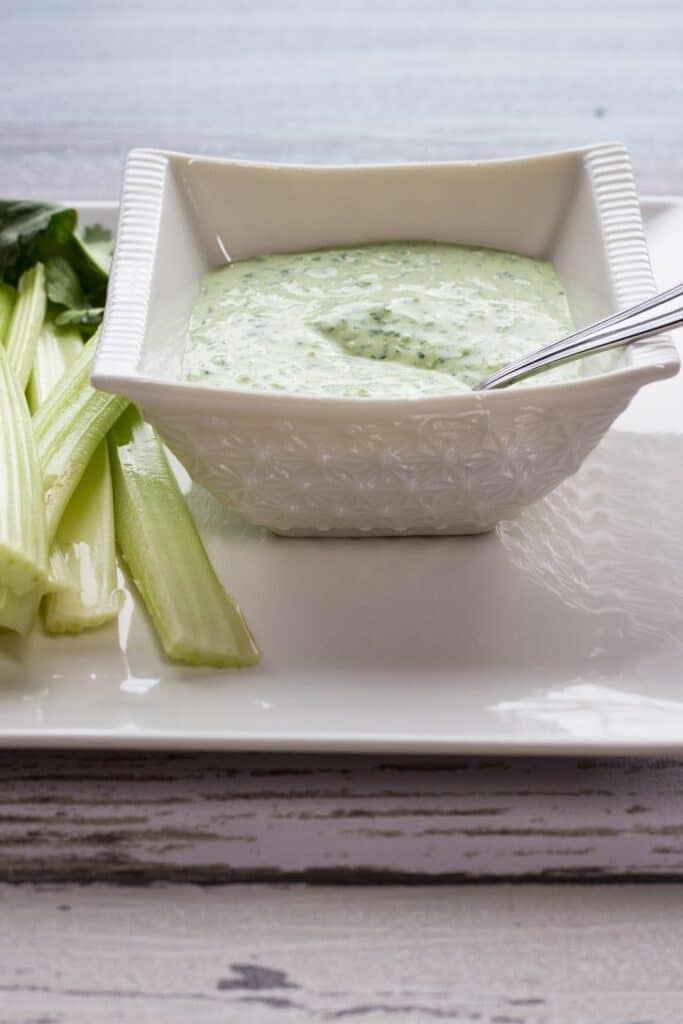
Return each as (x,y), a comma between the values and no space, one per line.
(343,467)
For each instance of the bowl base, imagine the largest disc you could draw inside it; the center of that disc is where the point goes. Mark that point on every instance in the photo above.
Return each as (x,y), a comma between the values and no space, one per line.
(465,531)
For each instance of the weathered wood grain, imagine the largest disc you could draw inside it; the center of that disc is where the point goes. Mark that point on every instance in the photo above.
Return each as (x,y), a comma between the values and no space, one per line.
(84,816)
(314,80)
(496,955)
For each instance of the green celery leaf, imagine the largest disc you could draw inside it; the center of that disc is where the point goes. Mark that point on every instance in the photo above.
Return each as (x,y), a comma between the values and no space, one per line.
(99,241)
(63,287)
(86,319)
(94,233)
(22,223)
(32,231)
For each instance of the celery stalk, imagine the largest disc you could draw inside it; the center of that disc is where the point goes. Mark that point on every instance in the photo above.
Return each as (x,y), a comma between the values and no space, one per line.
(26,322)
(7,298)
(56,350)
(85,540)
(83,555)
(68,427)
(197,621)
(23,543)
(19,613)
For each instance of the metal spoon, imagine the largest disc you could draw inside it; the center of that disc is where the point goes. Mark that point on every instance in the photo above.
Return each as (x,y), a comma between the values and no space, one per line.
(622,328)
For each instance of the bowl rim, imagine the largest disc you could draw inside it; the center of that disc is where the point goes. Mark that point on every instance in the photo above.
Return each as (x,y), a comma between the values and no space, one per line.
(628,260)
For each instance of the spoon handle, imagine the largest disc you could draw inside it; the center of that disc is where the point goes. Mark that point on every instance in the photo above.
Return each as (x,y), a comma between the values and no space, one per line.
(624,327)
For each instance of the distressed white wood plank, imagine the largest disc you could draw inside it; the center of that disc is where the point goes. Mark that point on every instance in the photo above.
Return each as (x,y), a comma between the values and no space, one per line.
(85,816)
(494,955)
(310,80)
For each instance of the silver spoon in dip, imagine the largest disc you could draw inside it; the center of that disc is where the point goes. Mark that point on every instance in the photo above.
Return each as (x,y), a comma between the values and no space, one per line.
(643,320)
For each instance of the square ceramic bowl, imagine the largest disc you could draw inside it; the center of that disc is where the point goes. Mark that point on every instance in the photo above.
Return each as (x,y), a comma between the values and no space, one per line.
(302,465)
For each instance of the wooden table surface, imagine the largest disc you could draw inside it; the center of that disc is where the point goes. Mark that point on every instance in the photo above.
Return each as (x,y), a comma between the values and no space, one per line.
(312,80)
(291,954)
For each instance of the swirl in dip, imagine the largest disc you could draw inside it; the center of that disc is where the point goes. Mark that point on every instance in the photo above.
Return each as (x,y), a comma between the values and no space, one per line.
(397,320)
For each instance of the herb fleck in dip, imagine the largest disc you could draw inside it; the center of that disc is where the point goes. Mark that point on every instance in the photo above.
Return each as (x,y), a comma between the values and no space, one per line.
(399,320)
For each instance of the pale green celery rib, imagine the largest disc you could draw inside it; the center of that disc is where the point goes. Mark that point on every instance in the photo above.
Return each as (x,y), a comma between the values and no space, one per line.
(23,538)
(7,299)
(85,539)
(83,555)
(26,322)
(197,621)
(19,613)
(68,427)
(21,318)
(56,350)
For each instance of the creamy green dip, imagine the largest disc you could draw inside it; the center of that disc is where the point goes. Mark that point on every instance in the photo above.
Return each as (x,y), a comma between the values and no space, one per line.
(401,320)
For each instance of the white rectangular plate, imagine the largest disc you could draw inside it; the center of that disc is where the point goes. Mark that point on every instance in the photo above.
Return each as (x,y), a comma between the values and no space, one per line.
(560,633)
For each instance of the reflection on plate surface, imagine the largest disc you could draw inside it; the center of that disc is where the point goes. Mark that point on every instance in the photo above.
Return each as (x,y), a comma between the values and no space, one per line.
(596,712)
(610,540)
